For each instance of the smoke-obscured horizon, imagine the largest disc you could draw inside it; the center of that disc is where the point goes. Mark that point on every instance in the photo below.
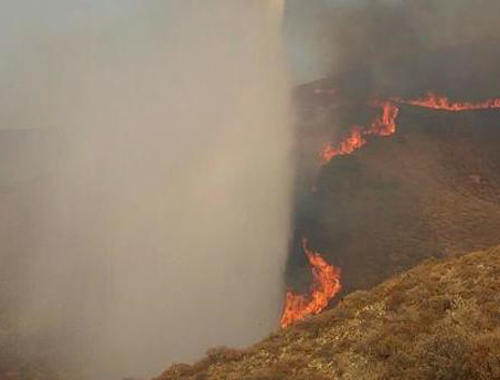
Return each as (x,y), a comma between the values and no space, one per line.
(162,229)
(327,37)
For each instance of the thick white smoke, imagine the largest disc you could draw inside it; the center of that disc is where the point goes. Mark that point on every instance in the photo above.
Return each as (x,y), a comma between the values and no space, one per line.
(163,230)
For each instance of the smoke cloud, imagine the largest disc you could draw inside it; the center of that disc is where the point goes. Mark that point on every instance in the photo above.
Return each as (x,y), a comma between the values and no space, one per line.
(331,36)
(163,226)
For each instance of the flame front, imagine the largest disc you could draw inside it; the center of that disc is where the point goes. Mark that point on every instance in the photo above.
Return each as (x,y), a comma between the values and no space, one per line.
(386,123)
(382,125)
(325,285)
(442,103)
(326,278)
(354,141)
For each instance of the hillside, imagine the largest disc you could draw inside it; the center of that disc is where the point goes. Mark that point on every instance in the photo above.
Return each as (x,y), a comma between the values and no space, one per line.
(429,190)
(439,320)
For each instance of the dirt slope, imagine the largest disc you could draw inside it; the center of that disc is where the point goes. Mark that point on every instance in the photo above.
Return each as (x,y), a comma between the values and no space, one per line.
(440,320)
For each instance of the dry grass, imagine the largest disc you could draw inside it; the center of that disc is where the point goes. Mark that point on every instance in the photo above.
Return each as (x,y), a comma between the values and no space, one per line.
(440,320)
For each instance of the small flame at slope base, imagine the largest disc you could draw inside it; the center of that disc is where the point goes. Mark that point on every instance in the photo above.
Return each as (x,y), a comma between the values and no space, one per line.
(325,285)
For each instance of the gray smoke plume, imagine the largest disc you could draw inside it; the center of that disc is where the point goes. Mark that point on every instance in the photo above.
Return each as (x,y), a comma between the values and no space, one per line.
(162,228)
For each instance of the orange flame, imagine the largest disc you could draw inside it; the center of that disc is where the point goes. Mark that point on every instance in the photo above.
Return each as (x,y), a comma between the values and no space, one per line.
(326,278)
(325,285)
(442,103)
(354,141)
(385,124)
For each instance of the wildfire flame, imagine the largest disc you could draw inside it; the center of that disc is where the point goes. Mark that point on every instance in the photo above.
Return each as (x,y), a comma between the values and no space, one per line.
(326,278)
(385,124)
(442,103)
(324,286)
(382,125)
(354,141)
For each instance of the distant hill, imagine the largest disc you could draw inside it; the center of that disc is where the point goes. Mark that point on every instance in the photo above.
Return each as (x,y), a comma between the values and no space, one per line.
(440,320)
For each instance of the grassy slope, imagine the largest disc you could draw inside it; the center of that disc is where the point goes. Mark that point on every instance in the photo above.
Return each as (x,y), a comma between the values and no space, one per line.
(440,320)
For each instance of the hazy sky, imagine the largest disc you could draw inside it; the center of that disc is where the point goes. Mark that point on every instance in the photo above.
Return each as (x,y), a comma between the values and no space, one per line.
(323,35)
(26,25)
(306,35)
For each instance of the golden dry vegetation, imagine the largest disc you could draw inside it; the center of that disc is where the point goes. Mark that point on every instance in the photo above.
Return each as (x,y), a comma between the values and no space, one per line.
(440,320)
